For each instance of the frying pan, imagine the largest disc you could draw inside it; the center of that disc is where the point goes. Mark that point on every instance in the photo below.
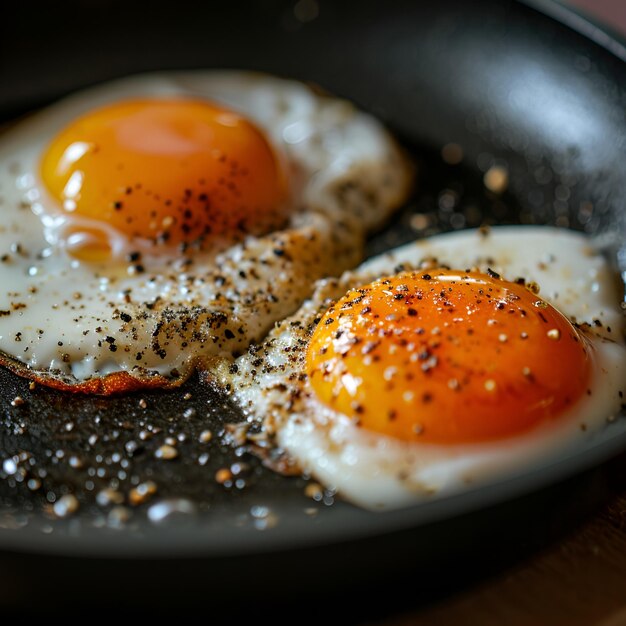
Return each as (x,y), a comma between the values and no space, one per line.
(503,80)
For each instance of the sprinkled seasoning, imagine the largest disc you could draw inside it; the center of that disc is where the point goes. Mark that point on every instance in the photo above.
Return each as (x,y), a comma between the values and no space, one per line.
(263,517)
(66,506)
(496,179)
(171,509)
(109,496)
(9,466)
(205,436)
(314,491)
(223,476)
(166,452)
(142,492)
(76,462)
(34,484)
(118,517)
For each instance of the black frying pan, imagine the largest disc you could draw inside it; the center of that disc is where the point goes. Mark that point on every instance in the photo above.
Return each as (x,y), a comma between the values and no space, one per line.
(501,79)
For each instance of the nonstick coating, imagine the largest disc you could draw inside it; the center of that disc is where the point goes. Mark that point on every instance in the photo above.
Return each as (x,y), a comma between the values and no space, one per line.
(508,84)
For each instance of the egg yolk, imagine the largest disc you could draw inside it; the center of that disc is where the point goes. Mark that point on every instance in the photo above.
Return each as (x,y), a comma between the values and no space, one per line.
(447,357)
(174,171)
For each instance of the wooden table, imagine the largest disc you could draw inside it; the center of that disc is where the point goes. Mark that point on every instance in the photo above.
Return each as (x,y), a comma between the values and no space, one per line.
(610,12)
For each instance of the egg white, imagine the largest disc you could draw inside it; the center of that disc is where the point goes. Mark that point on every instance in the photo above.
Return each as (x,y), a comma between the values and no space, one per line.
(379,472)
(77,321)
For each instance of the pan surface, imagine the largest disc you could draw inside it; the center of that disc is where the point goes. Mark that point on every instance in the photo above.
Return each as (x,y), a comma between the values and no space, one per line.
(502,80)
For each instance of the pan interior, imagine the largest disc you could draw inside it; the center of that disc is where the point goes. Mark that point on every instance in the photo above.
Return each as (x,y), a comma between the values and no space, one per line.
(500,86)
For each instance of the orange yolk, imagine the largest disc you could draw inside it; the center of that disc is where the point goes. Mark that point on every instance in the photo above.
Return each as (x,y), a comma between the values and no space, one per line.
(447,357)
(168,171)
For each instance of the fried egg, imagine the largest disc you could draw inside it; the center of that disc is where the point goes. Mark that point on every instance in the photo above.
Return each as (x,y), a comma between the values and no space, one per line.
(446,364)
(156,222)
